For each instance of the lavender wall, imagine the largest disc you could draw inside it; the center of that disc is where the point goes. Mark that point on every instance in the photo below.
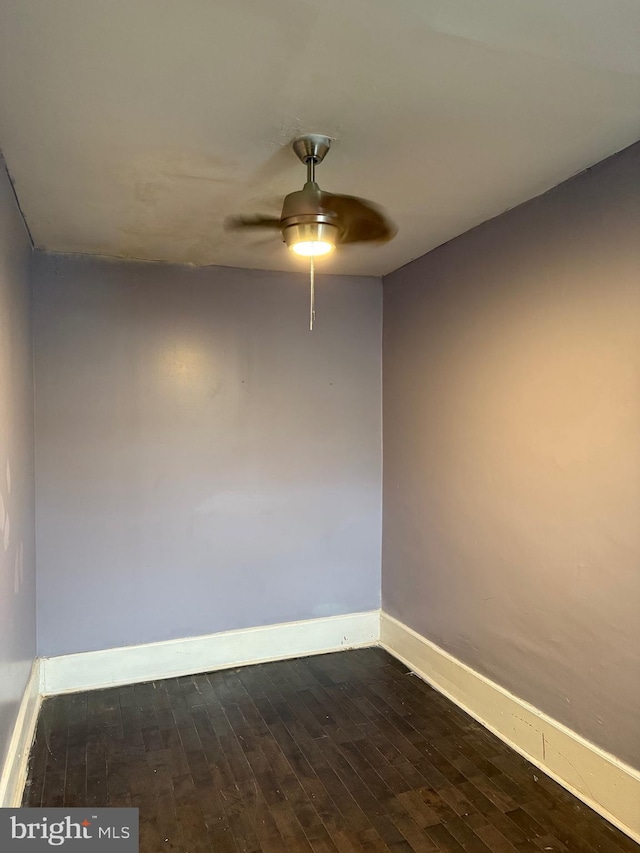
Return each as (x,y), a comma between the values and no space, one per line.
(205,462)
(512,451)
(17,533)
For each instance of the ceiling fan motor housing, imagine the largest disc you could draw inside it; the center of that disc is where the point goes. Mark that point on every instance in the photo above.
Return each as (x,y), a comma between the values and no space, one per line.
(304,218)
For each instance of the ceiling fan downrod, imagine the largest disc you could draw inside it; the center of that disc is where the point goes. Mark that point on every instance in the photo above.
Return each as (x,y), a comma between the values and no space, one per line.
(311,150)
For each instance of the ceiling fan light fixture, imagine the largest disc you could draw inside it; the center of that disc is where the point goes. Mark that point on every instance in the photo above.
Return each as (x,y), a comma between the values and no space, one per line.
(311,239)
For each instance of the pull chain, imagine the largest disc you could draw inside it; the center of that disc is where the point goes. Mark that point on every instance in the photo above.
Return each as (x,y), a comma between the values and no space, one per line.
(311,176)
(312,306)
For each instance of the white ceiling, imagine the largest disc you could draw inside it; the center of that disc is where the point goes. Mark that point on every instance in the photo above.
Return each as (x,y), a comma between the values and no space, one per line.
(134,127)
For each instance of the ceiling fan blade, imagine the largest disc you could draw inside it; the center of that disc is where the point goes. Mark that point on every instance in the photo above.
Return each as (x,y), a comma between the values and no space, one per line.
(234,223)
(361,221)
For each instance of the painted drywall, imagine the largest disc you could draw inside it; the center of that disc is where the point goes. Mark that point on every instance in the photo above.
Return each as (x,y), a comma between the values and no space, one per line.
(205,462)
(511,533)
(446,112)
(17,522)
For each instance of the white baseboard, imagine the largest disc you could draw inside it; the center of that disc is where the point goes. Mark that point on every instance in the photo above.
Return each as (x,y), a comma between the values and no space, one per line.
(14,771)
(599,779)
(132,664)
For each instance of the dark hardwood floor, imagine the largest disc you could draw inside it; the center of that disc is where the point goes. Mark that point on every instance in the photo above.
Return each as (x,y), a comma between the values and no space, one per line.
(343,752)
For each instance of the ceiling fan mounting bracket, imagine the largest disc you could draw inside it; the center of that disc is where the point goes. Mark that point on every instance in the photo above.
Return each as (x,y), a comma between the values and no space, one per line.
(311,147)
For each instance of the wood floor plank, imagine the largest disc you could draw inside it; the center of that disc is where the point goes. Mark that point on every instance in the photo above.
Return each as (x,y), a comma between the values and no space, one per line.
(337,753)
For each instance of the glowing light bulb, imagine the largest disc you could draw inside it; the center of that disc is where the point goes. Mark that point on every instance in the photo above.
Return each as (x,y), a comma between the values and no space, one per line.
(312,248)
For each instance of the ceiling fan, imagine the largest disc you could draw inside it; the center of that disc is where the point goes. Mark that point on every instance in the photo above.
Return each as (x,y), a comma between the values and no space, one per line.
(314,222)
